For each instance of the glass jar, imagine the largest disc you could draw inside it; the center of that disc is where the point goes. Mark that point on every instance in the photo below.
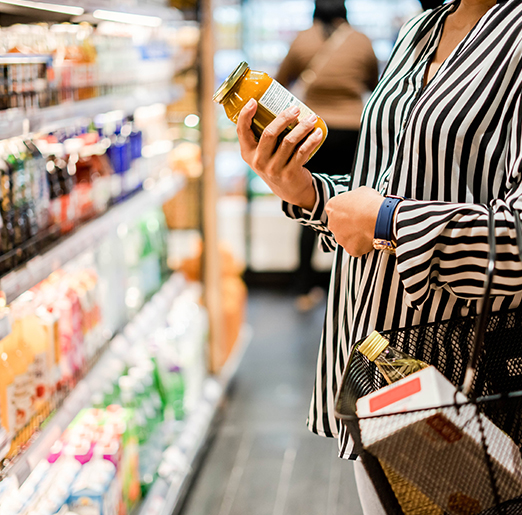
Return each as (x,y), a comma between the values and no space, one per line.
(272,99)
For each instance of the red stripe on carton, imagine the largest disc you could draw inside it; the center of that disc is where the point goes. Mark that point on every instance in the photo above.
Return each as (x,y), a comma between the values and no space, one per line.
(393,395)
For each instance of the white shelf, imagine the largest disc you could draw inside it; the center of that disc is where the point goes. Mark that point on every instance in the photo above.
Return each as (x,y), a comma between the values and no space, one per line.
(89,235)
(16,122)
(169,490)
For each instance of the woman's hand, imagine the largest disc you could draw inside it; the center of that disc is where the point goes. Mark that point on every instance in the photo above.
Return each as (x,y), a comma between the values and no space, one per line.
(352,217)
(281,166)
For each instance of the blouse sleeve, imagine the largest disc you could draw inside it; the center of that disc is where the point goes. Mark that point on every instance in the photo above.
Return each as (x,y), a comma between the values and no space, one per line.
(326,187)
(445,245)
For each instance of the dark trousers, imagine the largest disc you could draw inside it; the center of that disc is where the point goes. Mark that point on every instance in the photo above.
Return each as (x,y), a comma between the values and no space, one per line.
(335,157)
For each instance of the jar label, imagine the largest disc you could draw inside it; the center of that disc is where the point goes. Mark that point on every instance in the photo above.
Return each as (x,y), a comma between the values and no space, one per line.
(277,98)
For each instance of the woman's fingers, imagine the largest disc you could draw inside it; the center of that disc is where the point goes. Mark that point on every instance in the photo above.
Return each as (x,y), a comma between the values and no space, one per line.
(246,136)
(269,139)
(302,154)
(294,139)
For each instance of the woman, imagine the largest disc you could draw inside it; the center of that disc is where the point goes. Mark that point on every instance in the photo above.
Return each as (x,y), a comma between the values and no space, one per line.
(336,66)
(443,128)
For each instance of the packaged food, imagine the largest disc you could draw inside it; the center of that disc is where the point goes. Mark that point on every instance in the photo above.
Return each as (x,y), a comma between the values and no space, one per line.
(272,99)
(433,456)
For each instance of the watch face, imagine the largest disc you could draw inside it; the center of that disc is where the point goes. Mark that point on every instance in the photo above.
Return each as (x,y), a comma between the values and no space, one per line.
(386,245)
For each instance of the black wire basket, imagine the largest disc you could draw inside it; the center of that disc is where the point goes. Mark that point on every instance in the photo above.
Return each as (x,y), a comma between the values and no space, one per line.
(472,463)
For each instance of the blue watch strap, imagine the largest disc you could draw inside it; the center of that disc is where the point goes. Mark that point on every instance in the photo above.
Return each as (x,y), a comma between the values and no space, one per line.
(384,223)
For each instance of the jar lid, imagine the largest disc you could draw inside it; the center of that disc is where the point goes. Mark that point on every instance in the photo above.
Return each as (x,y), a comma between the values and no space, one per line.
(373,345)
(229,82)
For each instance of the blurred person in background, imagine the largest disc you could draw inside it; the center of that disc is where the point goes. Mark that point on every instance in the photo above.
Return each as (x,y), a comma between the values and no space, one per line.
(330,67)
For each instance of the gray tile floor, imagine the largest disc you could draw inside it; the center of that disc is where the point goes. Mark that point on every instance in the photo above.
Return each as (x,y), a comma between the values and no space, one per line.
(263,460)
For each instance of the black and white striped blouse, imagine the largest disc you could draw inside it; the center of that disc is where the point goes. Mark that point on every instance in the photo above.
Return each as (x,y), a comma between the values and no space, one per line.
(452,147)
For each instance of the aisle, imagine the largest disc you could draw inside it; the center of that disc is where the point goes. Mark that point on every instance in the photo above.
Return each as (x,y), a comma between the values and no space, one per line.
(263,460)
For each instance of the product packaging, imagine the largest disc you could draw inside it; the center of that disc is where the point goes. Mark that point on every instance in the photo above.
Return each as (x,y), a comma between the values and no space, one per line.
(438,452)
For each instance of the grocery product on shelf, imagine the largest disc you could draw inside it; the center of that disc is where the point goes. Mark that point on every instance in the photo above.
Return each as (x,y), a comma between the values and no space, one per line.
(44,65)
(51,183)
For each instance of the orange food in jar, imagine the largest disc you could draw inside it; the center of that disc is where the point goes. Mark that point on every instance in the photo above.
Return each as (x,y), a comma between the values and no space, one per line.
(272,99)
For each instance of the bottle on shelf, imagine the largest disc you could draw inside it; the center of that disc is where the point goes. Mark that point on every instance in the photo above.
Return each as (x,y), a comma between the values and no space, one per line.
(41,192)
(392,363)
(33,335)
(21,223)
(7,214)
(63,207)
(7,380)
(20,363)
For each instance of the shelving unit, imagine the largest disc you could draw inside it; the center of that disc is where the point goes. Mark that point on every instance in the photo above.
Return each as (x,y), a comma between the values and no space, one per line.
(169,491)
(182,457)
(88,236)
(16,122)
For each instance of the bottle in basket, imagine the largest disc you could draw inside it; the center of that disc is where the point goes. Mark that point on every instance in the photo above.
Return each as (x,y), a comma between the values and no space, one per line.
(392,363)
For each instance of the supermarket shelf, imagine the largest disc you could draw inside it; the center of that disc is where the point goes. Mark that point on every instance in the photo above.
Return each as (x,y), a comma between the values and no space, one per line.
(89,235)
(183,458)
(16,122)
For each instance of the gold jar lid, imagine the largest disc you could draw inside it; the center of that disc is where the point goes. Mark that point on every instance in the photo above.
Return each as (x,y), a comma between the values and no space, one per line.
(373,345)
(229,82)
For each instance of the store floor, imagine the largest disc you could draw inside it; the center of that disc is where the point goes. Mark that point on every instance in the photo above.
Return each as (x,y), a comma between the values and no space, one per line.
(263,460)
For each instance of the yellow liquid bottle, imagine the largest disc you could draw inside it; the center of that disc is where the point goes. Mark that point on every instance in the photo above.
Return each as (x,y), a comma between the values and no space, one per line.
(21,398)
(19,312)
(392,363)
(7,385)
(34,336)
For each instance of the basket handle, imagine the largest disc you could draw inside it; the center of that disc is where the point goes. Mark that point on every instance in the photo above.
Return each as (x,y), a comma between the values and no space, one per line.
(485,306)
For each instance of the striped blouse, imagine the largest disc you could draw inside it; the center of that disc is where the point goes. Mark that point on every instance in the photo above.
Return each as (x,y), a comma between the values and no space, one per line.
(452,147)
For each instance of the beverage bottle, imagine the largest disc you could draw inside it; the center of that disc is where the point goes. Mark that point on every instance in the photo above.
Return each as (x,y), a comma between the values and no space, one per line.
(22,390)
(49,316)
(41,185)
(30,192)
(18,185)
(7,214)
(34,336)
(127,385)
(83,182)
(63,205)
(7,380)
(94,166)
(392,363)
(19,311)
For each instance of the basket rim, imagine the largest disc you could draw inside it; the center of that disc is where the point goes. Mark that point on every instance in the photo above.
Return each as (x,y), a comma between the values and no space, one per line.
(498,397)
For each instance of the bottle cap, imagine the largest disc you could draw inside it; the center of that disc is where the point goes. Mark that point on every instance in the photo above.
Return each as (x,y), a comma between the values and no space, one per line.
(229,82)
(373,345)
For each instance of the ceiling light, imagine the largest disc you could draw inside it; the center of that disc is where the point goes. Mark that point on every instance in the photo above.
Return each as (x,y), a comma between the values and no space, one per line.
(135,19)
(44,6)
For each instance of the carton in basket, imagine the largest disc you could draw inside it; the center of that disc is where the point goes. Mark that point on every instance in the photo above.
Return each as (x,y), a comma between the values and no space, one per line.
(438,452)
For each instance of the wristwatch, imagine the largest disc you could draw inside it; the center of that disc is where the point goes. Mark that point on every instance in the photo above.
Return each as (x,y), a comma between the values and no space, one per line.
(383,237)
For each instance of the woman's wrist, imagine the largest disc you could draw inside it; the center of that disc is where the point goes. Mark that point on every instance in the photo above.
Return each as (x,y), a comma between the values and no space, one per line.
(384,235)
(308,197)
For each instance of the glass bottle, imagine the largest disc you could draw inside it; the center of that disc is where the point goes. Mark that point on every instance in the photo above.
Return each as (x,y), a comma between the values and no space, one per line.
(272,99)
(392,363)
(7,214)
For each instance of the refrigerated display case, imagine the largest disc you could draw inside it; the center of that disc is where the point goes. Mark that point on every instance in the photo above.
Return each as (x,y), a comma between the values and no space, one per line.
(88,170)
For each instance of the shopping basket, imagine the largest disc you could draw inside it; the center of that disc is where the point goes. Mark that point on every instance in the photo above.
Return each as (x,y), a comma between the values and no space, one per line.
(481,354)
